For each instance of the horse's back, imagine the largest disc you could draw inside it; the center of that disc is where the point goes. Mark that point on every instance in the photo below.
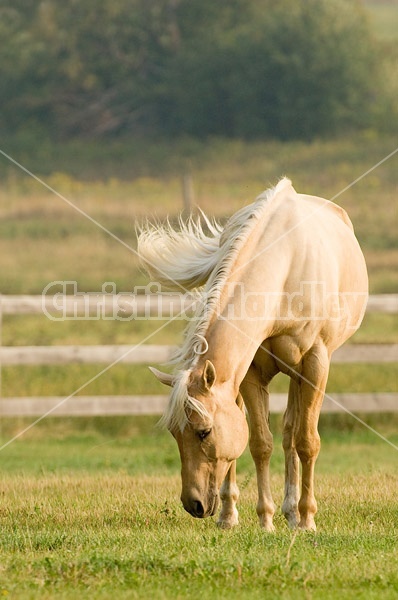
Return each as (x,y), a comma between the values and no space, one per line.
(308,243)
(328,205)
(319,231)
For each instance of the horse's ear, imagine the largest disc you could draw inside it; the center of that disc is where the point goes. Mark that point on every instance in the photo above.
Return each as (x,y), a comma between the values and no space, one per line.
(209,375)
(165,378)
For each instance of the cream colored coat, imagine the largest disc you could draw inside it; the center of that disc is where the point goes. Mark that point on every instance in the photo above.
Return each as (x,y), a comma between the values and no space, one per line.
(286,286)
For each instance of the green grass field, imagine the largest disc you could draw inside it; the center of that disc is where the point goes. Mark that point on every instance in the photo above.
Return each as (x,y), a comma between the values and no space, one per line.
(90,508)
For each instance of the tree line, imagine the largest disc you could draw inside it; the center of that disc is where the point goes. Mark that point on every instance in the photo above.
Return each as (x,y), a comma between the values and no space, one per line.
(243,68)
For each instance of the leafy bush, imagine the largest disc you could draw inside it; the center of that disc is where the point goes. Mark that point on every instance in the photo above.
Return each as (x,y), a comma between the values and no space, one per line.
(297,69)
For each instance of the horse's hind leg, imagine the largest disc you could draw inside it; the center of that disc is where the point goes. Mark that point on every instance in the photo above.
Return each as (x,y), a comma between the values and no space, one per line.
(292,491)
(229,495)
(312,386)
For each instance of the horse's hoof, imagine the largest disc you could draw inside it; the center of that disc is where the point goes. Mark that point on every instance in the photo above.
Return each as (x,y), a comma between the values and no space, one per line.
(228,521)
(307,524)
(292,519)
(226,524)
(267,524)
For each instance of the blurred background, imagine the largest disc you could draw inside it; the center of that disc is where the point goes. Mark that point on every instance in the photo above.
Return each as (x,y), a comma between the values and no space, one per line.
(119,106)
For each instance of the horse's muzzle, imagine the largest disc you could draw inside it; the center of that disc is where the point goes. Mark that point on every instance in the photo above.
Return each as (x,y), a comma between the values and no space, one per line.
(196,509)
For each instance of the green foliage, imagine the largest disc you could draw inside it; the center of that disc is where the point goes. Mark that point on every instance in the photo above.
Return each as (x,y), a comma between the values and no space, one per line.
(296,69)
(236,68)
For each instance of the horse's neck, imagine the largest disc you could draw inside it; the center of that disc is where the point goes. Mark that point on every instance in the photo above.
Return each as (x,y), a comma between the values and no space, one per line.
(247,305)
(232,346)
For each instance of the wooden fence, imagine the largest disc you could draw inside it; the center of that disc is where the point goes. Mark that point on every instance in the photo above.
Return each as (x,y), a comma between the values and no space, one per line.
(126,306)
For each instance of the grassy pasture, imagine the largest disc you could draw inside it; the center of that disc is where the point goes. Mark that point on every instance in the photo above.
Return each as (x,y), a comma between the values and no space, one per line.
(89,508)
(43,239)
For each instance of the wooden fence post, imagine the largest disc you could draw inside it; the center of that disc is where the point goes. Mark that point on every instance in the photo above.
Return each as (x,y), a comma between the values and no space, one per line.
(188,196)
(1,361)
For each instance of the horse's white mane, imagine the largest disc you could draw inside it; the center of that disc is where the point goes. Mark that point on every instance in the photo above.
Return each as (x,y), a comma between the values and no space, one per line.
(189,259)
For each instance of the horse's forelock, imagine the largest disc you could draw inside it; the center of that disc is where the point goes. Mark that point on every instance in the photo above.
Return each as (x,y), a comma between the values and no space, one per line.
(176,415)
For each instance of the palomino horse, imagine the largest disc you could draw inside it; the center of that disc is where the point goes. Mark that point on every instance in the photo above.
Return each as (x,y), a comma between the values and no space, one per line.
(285,285)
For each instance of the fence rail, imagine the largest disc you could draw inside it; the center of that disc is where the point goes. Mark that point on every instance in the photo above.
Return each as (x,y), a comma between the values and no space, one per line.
(96,306)
(88,406)
(147,354)
(125,304)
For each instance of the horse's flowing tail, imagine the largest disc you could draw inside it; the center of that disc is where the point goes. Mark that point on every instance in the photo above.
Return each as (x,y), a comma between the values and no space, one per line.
(180,260)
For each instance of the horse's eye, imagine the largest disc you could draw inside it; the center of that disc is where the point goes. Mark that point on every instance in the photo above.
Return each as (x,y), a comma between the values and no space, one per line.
(203,433)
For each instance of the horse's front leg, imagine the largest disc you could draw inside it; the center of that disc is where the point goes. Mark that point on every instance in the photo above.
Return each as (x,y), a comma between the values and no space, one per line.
(229,492)
(229,495)
(256,398)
